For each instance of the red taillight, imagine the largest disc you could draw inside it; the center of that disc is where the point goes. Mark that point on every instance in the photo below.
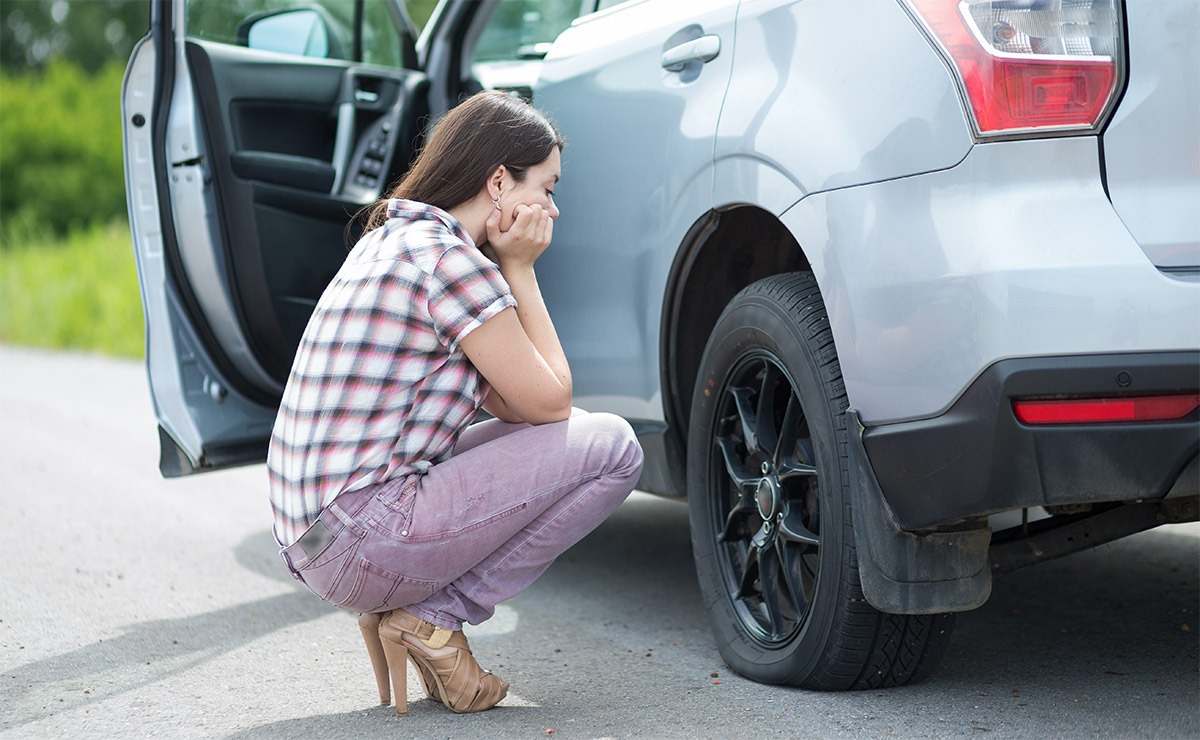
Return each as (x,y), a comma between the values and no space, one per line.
(1101,410)
(1028,66)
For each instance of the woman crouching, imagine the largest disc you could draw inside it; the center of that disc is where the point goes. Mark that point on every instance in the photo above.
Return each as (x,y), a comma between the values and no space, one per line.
(386,500)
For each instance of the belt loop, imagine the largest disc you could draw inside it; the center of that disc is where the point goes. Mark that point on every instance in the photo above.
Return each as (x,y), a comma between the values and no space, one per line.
(336,510)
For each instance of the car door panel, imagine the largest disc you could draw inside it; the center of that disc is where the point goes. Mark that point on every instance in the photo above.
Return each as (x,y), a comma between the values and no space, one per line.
(205,419)
(626,209)
(241,189)
(274,124)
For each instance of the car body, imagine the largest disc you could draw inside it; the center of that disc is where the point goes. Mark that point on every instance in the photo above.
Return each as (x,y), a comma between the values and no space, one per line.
(898,293)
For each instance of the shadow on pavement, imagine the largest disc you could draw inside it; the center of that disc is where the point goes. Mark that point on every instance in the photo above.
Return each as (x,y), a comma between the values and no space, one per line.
(259,554)
(148,652)
(379,721)
(636,568)
(1120,617)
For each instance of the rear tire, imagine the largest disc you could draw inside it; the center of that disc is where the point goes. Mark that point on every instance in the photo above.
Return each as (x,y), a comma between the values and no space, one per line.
(769,501)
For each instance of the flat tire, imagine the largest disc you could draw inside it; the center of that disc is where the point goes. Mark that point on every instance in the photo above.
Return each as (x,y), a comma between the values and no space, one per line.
(770,508)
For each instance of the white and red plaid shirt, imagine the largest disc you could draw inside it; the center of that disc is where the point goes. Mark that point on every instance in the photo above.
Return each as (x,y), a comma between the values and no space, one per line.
(379,388)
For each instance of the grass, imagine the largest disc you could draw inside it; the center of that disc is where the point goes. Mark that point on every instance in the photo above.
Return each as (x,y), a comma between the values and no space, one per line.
(79,292)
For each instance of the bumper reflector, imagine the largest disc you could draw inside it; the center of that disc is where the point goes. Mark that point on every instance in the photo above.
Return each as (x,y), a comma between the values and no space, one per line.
(1101,410)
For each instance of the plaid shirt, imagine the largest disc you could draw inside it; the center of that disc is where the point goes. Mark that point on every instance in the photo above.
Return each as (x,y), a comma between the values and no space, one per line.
(379,388)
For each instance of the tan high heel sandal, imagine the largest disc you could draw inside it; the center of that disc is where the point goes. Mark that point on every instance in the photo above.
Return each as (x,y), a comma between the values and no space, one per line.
(369,625)
(454,679)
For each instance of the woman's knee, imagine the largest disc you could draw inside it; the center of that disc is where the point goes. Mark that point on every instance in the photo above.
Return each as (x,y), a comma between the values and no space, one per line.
(619,439)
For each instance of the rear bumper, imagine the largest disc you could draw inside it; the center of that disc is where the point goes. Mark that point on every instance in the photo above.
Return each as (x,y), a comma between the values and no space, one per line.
(977,458)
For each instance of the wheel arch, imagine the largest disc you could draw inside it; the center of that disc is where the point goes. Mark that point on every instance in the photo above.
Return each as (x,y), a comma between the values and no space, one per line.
(725,250)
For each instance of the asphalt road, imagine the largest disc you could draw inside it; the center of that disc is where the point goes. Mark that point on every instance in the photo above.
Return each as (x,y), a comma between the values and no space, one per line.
(131,606)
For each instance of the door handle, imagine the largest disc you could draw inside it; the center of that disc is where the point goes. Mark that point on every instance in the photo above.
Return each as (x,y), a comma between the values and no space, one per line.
(341,145)
(703,49)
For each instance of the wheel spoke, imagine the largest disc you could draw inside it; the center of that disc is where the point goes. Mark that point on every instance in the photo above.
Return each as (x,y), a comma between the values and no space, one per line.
(785,446)
(804,451)
(741,399)
(768,579)
(798,460)
(768,434)
(789,562)
(740,474)
(789,470)
(742,510)
(750,571)
(808,571)
(793,529)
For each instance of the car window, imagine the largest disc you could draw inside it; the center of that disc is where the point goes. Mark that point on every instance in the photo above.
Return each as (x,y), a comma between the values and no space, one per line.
(516,37)
(524,29)
(316,28)
(381,40)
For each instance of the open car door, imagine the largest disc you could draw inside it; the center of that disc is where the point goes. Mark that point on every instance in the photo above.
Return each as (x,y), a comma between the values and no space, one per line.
(253,132)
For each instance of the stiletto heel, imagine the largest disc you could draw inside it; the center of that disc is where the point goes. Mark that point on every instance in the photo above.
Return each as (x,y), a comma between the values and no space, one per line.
(397,663)
(369,625)
(454,678)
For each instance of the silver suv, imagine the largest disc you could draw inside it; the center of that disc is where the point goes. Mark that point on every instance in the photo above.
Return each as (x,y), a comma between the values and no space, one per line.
(898,293)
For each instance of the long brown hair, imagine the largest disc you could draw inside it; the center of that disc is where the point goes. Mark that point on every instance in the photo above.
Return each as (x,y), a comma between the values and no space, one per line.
(485,131)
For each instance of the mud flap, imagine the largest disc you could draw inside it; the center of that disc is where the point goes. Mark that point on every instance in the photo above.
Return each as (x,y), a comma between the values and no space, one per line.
(904,572)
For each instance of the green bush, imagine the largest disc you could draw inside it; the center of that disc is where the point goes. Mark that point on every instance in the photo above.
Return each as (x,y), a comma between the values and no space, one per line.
(60,151)
(76,293)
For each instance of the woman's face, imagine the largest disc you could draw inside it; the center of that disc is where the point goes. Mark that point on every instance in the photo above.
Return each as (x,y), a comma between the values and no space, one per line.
(537,189)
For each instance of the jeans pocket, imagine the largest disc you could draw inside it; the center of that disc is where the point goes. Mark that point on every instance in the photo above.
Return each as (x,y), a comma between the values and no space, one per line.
(326,572)
(376,589)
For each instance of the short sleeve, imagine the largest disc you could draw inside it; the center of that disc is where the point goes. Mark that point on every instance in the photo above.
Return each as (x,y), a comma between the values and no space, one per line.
(465,290)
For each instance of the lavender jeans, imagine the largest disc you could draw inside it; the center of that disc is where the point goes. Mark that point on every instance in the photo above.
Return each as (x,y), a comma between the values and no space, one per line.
(474,530)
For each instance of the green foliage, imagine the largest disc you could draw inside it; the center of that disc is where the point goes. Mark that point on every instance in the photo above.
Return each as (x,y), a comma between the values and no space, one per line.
(67,276)
(87,32)
(60,150)
(419,11)
(78,293)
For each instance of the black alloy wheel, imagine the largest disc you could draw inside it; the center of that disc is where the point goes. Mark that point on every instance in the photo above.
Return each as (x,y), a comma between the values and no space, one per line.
(771,523)
(769,501)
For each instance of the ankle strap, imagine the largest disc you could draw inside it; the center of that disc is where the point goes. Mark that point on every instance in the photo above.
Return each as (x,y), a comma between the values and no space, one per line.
(439,638)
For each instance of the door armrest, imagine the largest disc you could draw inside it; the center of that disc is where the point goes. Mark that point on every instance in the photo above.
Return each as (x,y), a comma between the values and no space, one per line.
(284,169)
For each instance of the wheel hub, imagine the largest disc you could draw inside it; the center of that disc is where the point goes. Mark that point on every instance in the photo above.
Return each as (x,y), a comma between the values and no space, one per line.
(767,495)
